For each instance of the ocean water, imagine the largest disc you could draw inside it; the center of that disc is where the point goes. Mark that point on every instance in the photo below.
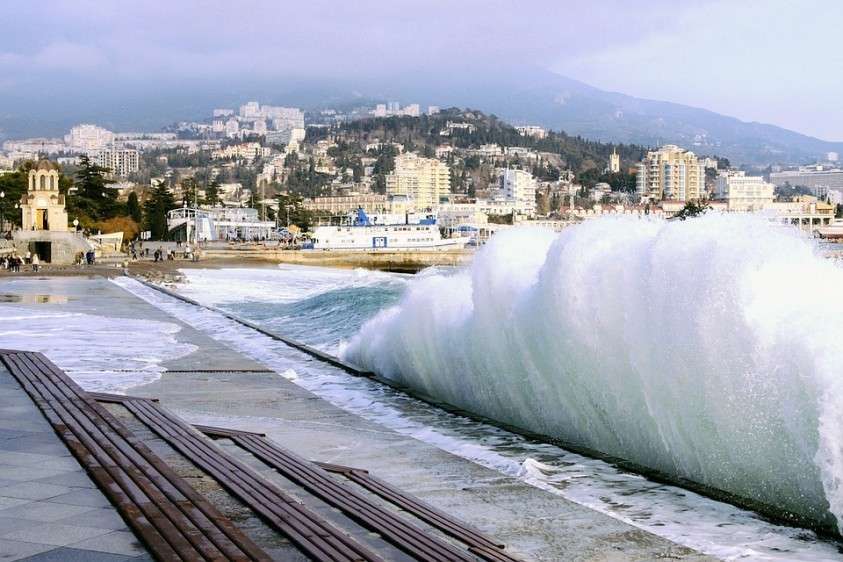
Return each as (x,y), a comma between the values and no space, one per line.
(569,338)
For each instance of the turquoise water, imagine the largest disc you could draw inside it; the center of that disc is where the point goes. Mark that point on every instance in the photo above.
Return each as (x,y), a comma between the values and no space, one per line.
(322,320)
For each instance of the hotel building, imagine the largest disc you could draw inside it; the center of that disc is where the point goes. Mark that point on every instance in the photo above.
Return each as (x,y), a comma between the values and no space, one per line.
(671,173)
(424,180)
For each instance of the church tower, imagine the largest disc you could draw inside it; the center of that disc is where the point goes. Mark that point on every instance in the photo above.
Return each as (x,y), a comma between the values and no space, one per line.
(614,162)
(42,206)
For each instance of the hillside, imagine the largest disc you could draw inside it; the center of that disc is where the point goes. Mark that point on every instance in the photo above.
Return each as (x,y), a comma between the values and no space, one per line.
(561,103)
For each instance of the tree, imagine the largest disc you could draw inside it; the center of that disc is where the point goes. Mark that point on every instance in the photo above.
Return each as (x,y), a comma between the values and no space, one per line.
(212,193)
(93,199)
(133,208)
(155,211)
(13,186)
(691,209)
(290,205)
(126,225)
(190,195)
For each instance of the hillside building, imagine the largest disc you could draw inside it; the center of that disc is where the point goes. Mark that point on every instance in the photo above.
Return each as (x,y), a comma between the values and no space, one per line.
(743,193)
(424,180)
(121,162)
(671,173)
(520,187)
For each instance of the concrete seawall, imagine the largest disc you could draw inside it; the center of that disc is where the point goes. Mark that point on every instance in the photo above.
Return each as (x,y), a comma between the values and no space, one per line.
(392,260)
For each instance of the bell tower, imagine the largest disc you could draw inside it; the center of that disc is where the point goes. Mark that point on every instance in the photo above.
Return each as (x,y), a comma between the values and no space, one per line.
(42,206)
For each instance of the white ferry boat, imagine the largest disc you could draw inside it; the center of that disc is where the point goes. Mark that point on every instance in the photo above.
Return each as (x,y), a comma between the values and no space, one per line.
(362,234)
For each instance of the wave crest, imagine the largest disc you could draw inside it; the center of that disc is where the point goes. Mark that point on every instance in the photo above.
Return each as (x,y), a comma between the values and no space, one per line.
(707,349)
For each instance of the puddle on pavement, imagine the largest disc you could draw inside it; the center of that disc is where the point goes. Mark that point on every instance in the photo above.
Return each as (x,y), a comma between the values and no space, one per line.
(32,299)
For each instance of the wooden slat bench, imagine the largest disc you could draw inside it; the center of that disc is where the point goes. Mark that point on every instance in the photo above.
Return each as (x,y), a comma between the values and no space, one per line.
(478,543)
(171,518)
(391,526)
(311,533)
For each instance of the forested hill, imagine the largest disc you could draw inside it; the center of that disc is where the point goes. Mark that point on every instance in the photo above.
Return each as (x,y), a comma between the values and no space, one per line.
(423,134)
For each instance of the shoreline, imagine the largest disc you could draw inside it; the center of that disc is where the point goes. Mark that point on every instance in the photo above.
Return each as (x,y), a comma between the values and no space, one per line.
(397,262)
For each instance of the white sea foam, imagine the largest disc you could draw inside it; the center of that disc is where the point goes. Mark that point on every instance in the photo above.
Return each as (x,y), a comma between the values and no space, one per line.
(100,353)
(280,284)
(707,349)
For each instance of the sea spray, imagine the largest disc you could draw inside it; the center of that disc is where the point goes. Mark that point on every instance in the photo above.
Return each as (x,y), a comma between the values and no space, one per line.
(707,349)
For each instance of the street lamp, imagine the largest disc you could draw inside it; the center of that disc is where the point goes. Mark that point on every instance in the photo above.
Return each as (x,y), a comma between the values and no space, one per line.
(76,226)
(2,211)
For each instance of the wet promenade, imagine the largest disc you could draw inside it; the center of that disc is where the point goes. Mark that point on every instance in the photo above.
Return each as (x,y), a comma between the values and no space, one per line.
(206,382)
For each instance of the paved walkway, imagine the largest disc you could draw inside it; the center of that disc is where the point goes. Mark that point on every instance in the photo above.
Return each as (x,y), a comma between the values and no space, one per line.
(49,508)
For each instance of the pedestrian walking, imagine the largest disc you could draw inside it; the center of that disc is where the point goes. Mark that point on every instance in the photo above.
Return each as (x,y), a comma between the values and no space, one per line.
(36,263)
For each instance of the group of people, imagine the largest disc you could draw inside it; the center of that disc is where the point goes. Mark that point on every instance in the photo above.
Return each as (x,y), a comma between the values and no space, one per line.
(86,258)
(137,251)
(13,262)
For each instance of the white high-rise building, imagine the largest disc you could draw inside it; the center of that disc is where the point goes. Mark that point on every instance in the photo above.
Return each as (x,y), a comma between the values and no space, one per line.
(88,138)
(412,110)
(532,131)
(424,180)
(250,110)
(519,186)
(670,173)
(232,127)
(743,193)
(433,109)
(121,162)
(283,117)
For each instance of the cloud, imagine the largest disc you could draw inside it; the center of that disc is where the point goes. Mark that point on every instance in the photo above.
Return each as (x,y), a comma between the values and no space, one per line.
(753,59)
(758,61)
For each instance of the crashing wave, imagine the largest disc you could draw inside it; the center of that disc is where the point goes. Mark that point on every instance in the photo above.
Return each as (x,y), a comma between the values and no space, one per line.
(708,349)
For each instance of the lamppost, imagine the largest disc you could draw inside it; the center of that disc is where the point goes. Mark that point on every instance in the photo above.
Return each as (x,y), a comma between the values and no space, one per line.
(76,226)
(2,211)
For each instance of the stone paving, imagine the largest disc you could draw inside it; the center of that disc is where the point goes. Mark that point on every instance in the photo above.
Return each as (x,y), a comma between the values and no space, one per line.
(49,508)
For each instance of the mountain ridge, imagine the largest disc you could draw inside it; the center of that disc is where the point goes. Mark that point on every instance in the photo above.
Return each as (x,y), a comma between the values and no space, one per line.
(559,102)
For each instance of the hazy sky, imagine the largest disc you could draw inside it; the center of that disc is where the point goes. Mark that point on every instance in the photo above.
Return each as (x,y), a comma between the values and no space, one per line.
(774,61)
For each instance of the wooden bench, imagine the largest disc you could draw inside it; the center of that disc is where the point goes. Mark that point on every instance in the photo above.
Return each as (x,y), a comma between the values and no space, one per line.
(171,518)
(411,539)
(312,534)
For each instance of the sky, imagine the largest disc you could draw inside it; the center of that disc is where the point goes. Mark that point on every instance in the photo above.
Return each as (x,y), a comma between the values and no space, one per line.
(773,61)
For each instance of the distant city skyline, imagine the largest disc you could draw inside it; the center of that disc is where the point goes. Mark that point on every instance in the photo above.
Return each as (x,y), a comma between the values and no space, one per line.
(768,61)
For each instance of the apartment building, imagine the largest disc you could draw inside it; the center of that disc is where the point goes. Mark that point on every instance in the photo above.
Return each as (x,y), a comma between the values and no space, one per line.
(518,186)
(424,180)
(121,162)
(87,138)
(671,173)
